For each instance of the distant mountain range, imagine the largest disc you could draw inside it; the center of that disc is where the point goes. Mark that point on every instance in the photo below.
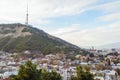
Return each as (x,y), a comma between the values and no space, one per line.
(20,37)
(111,45)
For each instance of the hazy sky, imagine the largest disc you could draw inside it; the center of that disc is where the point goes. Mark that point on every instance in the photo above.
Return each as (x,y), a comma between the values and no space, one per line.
(81,22)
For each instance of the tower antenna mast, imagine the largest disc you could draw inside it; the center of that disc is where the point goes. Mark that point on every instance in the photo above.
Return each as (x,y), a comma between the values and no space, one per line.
(26,22)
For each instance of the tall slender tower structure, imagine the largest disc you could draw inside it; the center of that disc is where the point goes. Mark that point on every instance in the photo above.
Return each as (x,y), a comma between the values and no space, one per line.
(26,22)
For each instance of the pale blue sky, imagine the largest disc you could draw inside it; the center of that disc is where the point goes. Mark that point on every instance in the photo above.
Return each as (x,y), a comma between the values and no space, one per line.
(81,22)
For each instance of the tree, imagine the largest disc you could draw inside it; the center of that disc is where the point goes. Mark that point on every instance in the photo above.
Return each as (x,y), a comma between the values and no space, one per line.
(30,72)
(83,74)
(27,72)
(45,75)
(55,76)
(13,77)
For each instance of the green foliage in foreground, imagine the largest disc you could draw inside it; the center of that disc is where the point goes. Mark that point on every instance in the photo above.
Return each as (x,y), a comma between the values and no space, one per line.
(30,72)
(83,74)
(118,71)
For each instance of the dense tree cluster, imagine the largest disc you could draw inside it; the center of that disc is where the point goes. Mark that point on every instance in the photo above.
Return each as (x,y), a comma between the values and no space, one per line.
(83,73)
(30,72)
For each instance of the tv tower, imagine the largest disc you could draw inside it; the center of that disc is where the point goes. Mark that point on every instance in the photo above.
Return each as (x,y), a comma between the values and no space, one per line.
(26,22)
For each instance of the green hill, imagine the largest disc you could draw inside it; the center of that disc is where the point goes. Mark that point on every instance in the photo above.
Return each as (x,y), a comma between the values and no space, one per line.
(20,37)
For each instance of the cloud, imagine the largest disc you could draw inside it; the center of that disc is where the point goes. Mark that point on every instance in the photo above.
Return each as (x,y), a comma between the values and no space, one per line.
(15,10)
(108,7)
(115,25)
(66,30)
(89,37)
(55,8)
(109,17)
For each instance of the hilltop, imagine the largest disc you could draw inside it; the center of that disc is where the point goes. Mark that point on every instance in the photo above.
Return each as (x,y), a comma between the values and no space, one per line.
(20,37)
